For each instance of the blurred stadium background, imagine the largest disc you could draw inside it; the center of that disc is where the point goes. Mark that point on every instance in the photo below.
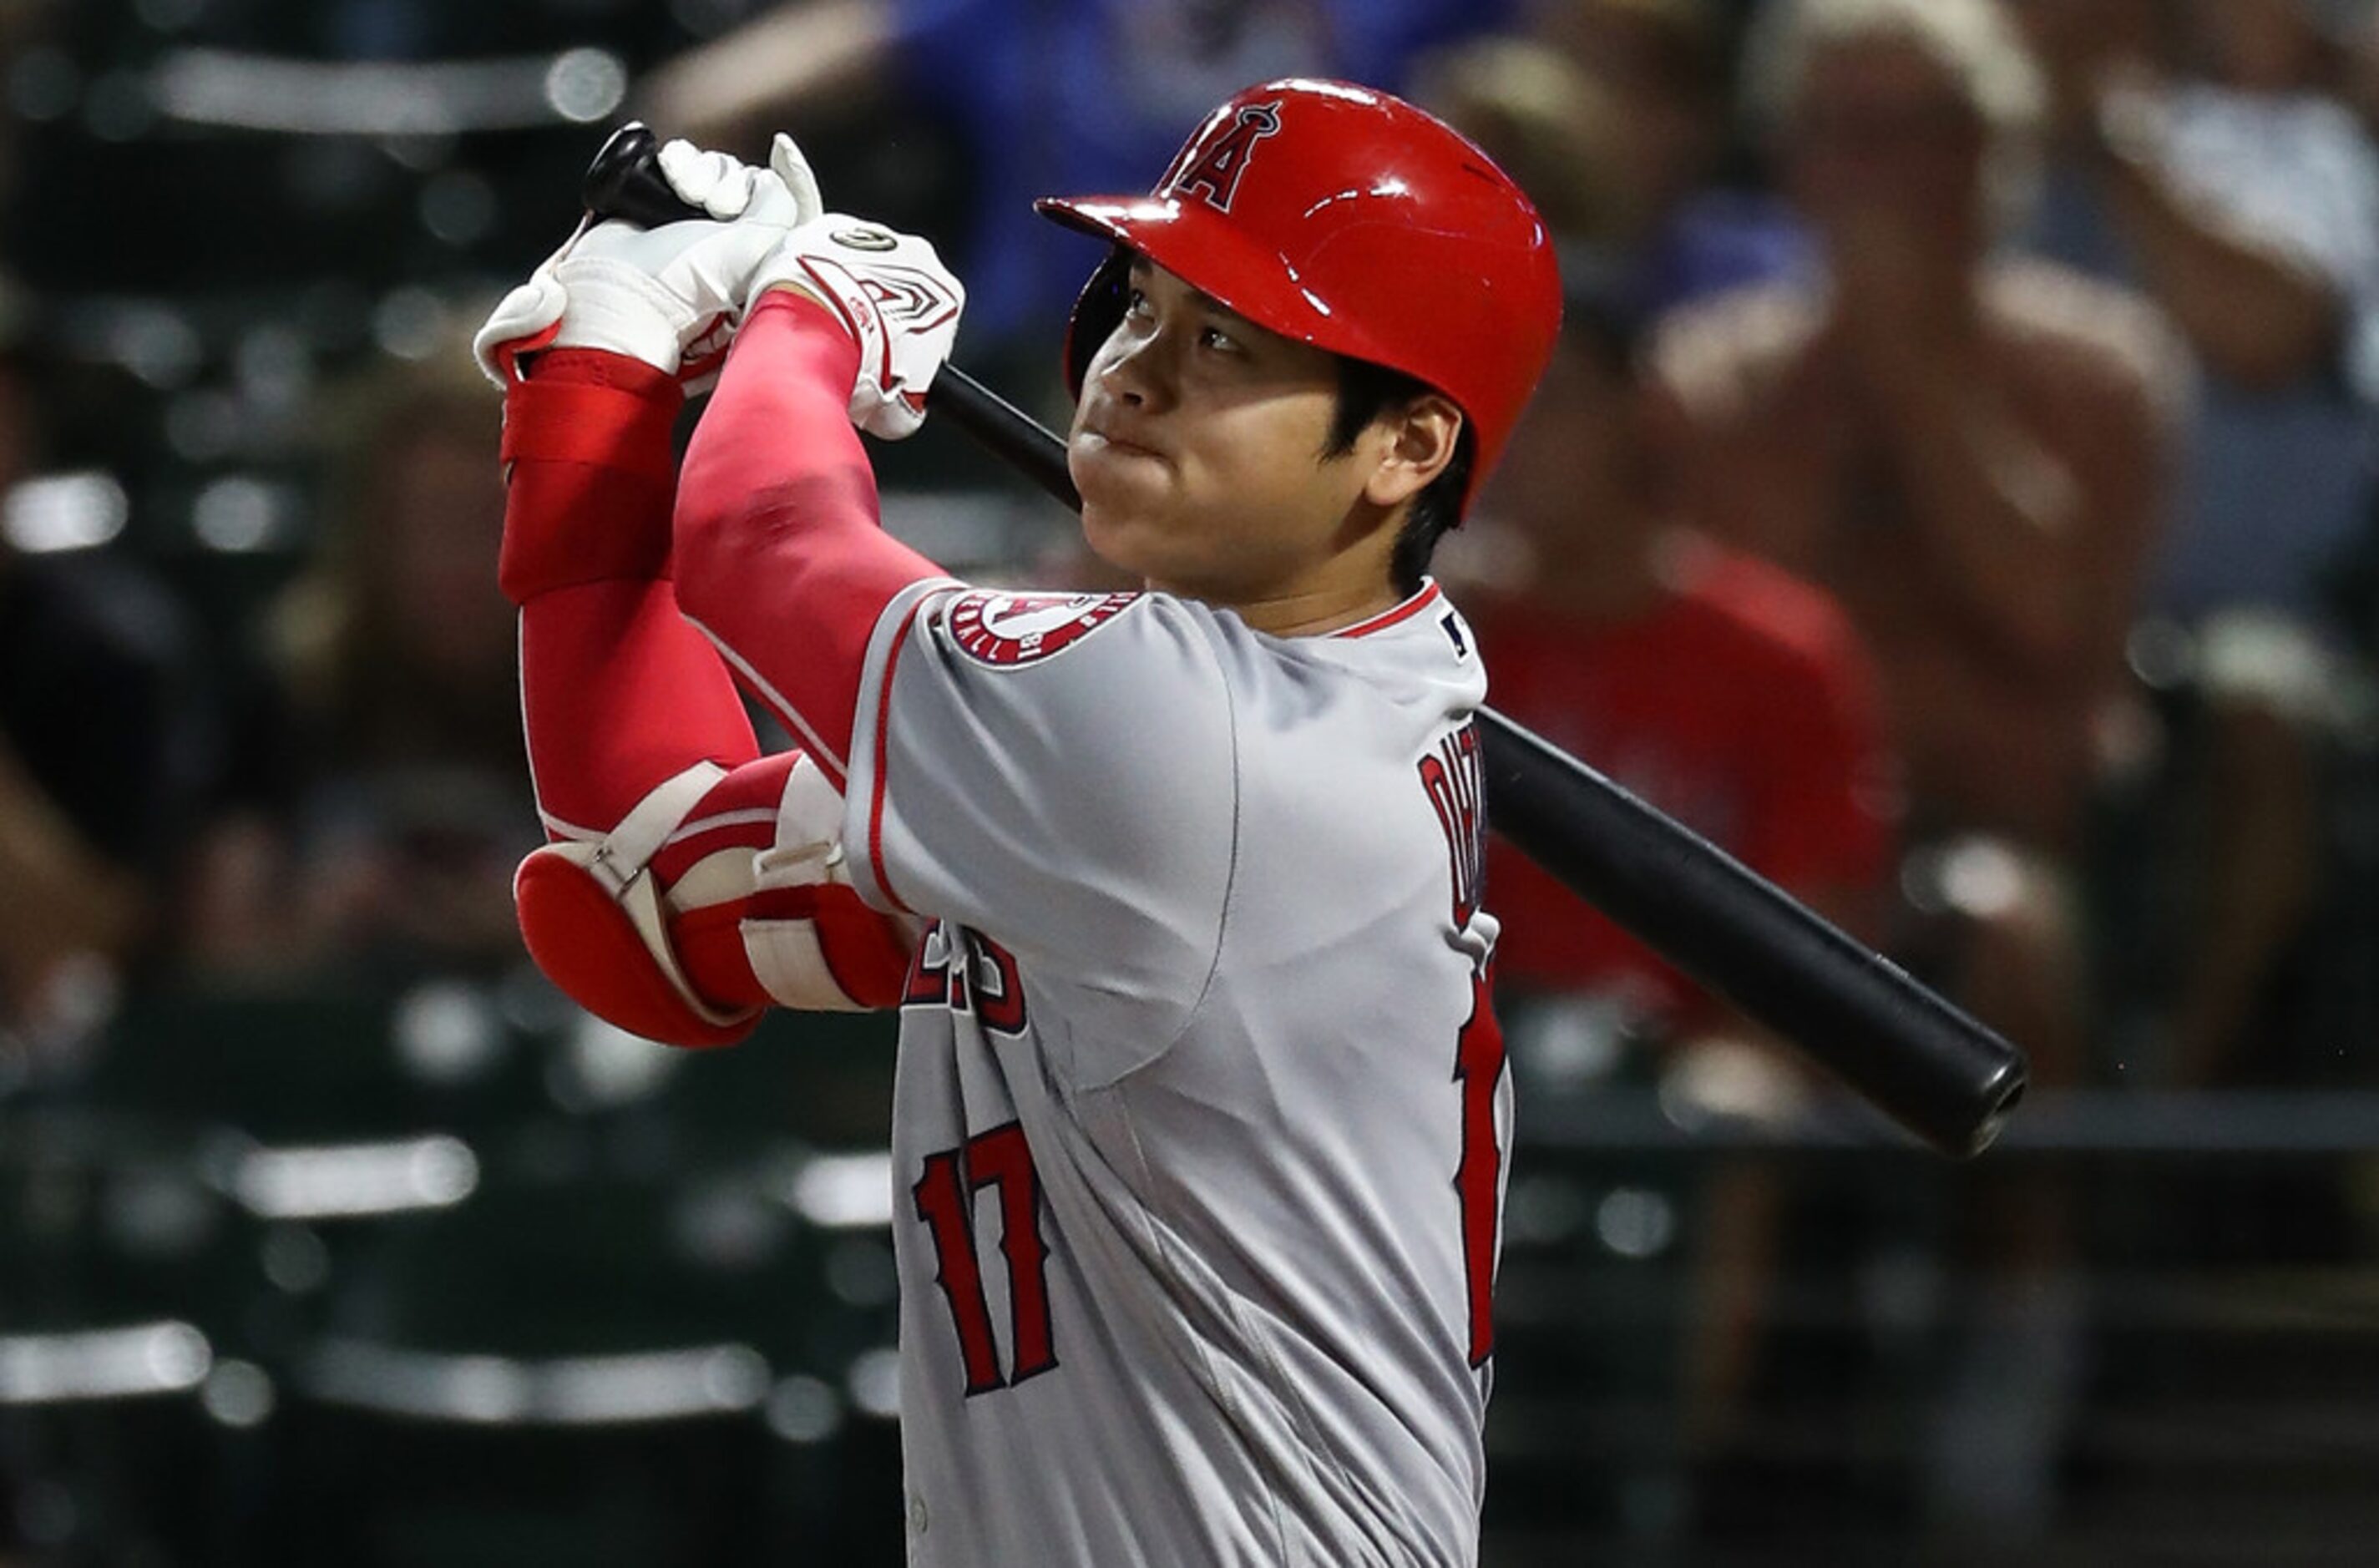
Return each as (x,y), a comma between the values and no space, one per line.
(328,1233)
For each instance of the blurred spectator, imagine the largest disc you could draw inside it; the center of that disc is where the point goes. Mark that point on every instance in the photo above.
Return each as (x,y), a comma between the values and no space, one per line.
(2245,757)
(388,820)
(102,749)
(1553,125)
(1077,95)
(1587,591)
(1728,693)
(2244,199)
(1676,232)
(1721,690)
(1970,452)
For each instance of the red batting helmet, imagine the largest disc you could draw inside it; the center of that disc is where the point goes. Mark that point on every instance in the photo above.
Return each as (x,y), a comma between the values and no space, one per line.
(1345,218)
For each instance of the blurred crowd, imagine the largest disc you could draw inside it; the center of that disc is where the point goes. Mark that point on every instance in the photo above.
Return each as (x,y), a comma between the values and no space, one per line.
(1957,455)
(1953,495)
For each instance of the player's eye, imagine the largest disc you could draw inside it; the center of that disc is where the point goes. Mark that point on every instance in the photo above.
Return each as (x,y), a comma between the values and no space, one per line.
(1135,304)
(1218,340)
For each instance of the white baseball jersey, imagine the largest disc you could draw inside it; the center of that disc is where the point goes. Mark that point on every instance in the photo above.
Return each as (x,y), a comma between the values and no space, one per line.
(1201,1114)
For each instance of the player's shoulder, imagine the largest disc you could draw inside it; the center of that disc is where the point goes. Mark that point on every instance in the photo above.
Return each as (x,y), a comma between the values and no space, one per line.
(1080,672)
(1055,641)
(1724,357)
(1121,653)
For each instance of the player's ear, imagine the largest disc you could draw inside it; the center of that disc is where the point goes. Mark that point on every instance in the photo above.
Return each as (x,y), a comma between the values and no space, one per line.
(1422,438)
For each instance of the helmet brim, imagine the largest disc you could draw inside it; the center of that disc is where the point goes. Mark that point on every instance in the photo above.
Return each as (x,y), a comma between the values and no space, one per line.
(1205,249)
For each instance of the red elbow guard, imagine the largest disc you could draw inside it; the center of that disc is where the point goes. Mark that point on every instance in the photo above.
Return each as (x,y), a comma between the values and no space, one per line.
(587,941)
(591,916)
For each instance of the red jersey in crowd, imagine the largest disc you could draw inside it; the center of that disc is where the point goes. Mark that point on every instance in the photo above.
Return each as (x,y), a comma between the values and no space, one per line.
(1743,705)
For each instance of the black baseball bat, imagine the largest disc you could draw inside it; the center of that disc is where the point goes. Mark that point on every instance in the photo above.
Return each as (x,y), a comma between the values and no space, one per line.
(1902,1046)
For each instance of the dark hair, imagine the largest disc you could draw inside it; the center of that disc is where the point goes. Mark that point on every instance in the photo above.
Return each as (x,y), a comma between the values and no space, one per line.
(1366,391)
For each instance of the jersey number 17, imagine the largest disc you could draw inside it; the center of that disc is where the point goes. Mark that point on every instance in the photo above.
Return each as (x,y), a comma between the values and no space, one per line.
(1001,1159)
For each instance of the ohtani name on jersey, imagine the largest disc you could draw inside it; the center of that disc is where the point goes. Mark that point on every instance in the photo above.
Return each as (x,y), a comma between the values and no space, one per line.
(1452,776)
(1006,630)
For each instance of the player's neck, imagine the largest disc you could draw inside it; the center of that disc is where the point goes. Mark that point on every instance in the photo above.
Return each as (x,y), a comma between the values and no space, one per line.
(1310,608)
(1314,615)
(1318,597)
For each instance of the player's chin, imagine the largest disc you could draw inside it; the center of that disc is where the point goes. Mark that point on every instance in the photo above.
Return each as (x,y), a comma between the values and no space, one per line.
(1117,481)
(1109,533)
(1130,539)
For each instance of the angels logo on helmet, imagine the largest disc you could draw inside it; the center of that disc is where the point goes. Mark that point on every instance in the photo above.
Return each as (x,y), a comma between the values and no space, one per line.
(1007,629)
(1214,175)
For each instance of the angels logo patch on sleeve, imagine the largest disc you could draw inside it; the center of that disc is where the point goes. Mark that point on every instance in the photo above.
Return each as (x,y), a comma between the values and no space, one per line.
(1006,630)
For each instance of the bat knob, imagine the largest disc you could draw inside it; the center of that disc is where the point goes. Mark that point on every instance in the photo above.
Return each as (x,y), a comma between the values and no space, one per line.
(624,180)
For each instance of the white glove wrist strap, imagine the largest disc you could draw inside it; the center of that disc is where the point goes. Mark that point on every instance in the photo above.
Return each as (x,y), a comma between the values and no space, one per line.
(622,308)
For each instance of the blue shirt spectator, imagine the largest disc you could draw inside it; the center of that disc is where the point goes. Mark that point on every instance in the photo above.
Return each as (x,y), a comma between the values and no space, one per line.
(1045,96)
(2278,479)
(1075,95)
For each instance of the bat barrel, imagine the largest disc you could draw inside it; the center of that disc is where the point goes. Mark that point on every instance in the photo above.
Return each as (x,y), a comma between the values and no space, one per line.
(1930,1067)
(1006,430)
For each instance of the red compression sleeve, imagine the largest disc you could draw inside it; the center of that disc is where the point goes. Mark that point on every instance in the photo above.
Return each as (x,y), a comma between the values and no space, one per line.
(779,557)
(618,693)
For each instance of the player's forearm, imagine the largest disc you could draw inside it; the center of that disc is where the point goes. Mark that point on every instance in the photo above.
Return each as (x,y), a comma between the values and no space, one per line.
(617,691)
(779,555)
(589,474)
(617,694)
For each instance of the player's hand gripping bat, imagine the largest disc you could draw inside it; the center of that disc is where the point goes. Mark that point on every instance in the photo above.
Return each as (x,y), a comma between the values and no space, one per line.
(1928,1065)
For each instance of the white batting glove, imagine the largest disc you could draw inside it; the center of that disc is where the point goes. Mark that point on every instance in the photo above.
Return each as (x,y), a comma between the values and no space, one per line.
(670,297)
(896,297)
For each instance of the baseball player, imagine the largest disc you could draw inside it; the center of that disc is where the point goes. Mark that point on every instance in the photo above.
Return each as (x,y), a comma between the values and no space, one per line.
(1201,1115)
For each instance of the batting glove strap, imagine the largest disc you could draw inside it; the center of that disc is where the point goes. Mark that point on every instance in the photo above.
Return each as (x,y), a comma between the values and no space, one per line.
(579,299)
(555,419)
(893,295)
(620,309)
(587,445)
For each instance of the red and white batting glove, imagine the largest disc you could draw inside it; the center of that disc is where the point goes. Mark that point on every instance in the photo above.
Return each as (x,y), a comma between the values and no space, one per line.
(892,292)
(671,296)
